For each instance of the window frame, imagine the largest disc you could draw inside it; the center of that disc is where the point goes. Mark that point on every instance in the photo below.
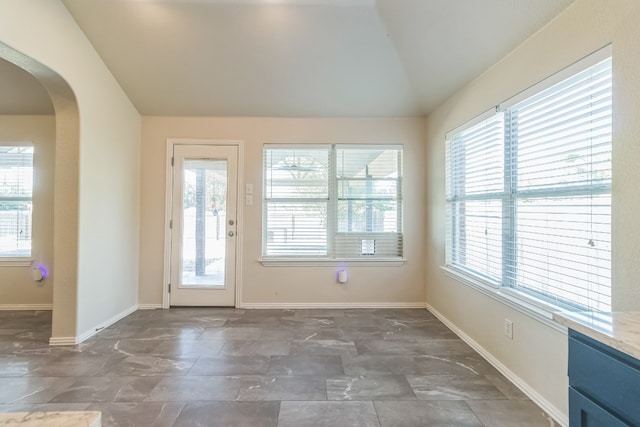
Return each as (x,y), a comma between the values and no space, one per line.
(25,260)
(528,302)
(332,200)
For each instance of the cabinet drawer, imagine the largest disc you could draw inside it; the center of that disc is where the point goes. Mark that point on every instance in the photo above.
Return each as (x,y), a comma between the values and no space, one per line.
(609,379)
(585,413)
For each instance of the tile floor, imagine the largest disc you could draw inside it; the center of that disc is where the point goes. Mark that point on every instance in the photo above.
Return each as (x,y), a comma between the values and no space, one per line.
(228,367)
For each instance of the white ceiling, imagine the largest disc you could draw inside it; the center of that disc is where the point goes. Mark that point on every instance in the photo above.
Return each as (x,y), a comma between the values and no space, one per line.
(313,58)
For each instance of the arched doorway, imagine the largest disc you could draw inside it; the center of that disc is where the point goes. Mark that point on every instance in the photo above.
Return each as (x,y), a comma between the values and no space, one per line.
(65,197)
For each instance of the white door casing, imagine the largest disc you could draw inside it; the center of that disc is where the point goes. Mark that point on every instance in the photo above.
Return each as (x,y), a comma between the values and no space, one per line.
(202,218)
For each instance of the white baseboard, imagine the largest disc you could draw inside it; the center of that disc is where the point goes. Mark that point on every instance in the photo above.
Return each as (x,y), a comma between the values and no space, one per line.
(536,397)
(329,305)
(149,306)
(91,332)
(62,341)
(7,307)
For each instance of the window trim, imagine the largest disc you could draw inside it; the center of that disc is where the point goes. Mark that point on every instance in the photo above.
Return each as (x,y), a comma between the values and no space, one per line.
(329,260)
(524,302)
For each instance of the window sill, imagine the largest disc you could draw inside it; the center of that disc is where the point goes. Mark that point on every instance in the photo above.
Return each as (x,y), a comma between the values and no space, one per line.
(15,262)
(311,262)
(525,304)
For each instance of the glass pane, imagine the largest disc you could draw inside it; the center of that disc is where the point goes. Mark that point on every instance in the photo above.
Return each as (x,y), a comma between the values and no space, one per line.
(16,183)
(16,172)
(564,249)
(368,189)
(15,229)
(367,216)
(296,229)
(380,162)
(204,222)
(478,238)
(296,173)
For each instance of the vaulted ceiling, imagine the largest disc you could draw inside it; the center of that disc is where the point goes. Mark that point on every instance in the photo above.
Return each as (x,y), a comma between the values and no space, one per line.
(311,58)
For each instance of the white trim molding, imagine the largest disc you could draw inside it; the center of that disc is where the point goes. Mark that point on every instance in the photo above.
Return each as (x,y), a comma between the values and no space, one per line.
(536,397)
(149,306)
(171,142)
(54,341)
(91,332)
(16,307)
(330,305)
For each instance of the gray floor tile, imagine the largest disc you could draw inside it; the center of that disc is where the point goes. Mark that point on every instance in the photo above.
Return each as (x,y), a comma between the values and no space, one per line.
(151,365)
(506,387)
(144,414)
(388,387)
(322,348)
(414,347)
(18,366)
(107,389)
(448,387)
(184,389)
(43,407)
(283,388)
(227,414)
(32,389)
(509,413)
(308,321)
(231,365)
(434,332)
(381,365)
(427,414)
(325,366)
(189,347)
(72,366)
(256,347)
(246,333)
(165,333)
(216,366)
(327,414)
(123,347)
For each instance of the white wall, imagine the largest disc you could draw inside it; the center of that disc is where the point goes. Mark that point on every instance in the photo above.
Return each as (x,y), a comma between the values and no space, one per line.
(286,285)
(538,353)
(96,224)
(18,287)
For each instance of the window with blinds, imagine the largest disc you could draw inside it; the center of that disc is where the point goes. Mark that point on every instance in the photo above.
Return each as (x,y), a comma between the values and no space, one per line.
(332,201)
(16,176)
(529,192)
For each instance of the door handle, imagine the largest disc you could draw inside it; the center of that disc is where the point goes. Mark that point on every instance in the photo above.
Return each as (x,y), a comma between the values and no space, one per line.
(231,222)
(231,234)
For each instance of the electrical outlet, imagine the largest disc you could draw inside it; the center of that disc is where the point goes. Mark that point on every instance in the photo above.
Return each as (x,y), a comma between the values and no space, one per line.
(508,329)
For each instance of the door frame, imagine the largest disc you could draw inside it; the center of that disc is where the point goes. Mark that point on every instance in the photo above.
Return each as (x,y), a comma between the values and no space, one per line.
(171,143)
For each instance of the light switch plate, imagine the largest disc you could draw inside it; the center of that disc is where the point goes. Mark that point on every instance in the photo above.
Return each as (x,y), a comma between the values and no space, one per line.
(248,200)
(248,189)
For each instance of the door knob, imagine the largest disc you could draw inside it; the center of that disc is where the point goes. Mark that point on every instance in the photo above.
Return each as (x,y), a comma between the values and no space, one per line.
(231,222)
(231,234)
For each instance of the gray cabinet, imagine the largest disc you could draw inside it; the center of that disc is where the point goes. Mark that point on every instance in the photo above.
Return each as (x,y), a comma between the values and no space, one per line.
(604,385)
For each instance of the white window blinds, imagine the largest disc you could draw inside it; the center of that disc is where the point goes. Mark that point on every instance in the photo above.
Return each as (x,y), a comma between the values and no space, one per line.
(475,192)
(338,201)
(369,201)
(296,197)
(16,184)
(529,193)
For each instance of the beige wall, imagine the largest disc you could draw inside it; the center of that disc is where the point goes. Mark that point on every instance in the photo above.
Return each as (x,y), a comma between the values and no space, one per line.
(284,285)
(97,210)
(538,353)
(18,287)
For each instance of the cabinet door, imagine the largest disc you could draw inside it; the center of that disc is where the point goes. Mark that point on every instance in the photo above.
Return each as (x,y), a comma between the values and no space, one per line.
(585,413)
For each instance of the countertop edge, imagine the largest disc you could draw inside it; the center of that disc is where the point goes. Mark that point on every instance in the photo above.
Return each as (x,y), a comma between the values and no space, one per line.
(573,321)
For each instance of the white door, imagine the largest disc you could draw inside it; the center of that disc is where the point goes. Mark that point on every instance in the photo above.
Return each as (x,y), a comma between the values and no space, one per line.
(203,230)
